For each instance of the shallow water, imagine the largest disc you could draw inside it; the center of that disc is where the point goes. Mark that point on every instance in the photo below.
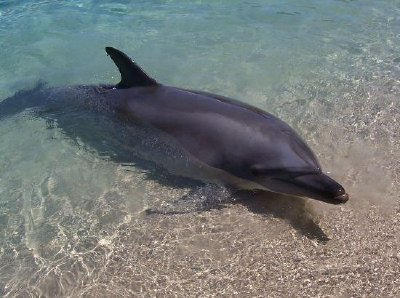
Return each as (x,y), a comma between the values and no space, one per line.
(72,218)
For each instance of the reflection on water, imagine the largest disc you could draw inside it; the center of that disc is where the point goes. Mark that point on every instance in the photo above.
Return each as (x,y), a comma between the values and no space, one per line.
(75,196)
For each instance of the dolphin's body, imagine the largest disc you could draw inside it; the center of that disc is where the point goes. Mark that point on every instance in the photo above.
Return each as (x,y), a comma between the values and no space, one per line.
(236,140)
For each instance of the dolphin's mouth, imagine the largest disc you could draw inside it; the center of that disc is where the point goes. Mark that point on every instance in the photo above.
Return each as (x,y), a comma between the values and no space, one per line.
(323,188)
(341,199)
(317,186)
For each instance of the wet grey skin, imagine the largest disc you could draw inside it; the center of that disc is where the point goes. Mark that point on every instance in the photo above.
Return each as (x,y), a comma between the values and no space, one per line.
(232,137)
(225,134)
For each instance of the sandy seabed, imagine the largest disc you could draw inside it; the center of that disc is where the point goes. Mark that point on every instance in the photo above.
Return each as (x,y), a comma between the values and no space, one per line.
(258,245)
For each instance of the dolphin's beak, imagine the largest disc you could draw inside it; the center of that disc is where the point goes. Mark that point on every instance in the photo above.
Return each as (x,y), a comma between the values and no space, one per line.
(314,185)
(321,187)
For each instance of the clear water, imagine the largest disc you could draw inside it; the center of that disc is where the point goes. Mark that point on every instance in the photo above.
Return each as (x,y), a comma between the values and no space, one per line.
(72,221)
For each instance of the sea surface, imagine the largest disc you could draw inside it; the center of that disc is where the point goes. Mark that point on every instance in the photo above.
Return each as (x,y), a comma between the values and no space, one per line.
(73,218)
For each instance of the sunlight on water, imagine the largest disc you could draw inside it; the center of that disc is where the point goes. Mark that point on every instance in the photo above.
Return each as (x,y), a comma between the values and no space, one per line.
(72,218)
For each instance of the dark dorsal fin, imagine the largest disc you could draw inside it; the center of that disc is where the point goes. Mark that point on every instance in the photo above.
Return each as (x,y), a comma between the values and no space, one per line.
(131,74)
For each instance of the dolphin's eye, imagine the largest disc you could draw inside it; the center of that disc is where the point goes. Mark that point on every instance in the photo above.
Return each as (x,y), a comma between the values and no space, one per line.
(256,172)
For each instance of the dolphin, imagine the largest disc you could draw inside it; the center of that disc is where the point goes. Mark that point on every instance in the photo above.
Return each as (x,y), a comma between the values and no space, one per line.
(240,144)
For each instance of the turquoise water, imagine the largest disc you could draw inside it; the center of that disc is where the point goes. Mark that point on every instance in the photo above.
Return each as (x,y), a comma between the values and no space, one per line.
(72,221)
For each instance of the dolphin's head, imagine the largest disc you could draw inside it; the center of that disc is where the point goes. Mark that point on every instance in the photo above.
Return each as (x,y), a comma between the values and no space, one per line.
(287,165)
(302,182)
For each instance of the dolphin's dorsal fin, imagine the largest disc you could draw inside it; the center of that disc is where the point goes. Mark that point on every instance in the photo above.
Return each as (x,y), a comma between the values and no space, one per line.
(131,74)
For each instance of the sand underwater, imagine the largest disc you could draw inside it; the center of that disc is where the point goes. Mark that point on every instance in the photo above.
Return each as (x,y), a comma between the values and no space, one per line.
(72,220)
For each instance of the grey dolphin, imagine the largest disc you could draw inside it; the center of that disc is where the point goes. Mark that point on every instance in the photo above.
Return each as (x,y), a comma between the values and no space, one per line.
(225,134)
(240,143)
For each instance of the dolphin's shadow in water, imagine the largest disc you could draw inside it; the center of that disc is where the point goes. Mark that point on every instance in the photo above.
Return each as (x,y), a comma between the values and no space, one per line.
(292,209)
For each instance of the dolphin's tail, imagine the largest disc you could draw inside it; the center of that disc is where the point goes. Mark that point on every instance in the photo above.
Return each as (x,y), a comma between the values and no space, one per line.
(22,100)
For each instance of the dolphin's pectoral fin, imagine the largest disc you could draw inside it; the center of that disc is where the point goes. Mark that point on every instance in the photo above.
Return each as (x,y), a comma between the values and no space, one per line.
(203,198)
(131,74)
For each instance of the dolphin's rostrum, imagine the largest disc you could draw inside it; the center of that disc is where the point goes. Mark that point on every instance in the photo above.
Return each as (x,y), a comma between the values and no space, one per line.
(241,143)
